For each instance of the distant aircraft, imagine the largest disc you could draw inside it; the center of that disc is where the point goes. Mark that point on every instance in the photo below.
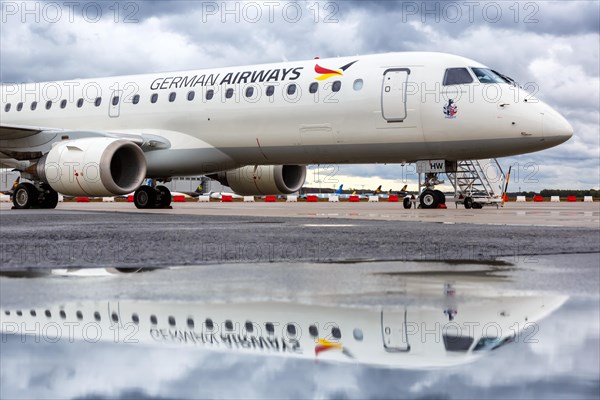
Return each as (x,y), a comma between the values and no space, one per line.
(259,126)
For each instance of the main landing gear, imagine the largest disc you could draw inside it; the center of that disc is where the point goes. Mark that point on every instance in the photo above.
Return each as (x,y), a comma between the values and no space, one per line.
(27,195)
(152,197)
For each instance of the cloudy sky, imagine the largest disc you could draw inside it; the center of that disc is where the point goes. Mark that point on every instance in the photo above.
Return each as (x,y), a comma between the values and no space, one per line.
(553,46)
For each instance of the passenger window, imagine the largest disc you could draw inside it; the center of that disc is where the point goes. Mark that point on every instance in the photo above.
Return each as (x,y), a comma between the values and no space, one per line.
(335,332)
(313,87)
(291,89)
(191,95)
(136,99)
(270,90)
(115,100)
(337,85)
(63,314)
(313,331)
(229,325)
(270,327)
(33,105)
(97,316)
(114,317)
(249,327)
(7,107)
(98,101)
(457,76)
(229,93)
(48,314)
(63,103)
(33,313)
(209,324)
(172,96)
(153,320)
(48,104)
(79,315)
(79,103)
(190,323)
(154,98)
(358,84)
(19,106)
(209,94)
(249,91)
(172,320)
(135,318)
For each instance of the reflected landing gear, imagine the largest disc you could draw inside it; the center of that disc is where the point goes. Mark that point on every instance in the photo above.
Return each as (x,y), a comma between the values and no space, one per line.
(28,195)
(147,197)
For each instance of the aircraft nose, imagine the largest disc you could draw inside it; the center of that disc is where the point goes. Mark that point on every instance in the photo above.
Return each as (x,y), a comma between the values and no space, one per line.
(556,127)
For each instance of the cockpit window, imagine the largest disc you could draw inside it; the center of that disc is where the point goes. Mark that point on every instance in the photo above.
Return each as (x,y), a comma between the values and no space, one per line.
(492,343)
(487,76)
(457,76)
(457,343)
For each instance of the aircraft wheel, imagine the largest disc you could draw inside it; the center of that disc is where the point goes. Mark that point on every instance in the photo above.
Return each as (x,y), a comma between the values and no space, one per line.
(428,199)
(50,199)
(25,196)
(407,203)
(165,197)
(468,202)
(145,197)
(441,197)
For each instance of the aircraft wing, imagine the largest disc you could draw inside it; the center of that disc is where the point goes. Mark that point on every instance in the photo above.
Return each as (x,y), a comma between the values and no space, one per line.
(21,142)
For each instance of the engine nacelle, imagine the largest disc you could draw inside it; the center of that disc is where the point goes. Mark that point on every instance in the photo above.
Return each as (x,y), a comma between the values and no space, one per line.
(263,179)
(93,167)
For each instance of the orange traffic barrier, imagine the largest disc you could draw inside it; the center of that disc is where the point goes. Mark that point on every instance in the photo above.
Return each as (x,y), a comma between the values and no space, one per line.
(538,199)
(354,199)
(179,198)
(393,198)
(226,198)
(311,199)
(442,206)
(271,199)
(83,200)
(130,198)
(571,199)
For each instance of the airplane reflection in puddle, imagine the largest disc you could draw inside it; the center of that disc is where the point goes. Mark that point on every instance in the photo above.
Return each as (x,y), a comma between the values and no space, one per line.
(452,330)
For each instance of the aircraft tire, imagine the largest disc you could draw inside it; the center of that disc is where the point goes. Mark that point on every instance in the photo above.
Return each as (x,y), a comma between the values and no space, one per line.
(407,203)
(468,202)
(25,196)
(50,199)
(441,197)
(428,199)
(165,197)
(145,197)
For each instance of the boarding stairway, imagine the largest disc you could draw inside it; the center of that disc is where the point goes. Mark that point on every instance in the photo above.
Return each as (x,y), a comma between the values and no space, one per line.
(481,179)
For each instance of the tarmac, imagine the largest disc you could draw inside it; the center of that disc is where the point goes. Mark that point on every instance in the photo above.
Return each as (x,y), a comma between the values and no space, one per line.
(118,235)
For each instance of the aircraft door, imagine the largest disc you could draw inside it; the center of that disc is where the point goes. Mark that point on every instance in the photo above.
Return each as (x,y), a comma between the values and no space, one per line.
(394,331)
(114,106)
(393,94)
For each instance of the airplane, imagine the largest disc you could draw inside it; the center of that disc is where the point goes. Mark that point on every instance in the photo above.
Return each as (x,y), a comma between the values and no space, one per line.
(410,336)
(255,128)
(338,192)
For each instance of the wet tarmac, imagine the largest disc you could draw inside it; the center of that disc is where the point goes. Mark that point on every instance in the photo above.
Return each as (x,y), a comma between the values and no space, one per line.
(261,306)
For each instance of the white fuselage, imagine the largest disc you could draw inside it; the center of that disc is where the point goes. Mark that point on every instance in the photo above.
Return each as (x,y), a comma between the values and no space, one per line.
(389,108)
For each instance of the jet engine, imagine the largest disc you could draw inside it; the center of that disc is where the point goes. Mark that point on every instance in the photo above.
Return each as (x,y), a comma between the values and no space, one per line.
(263,179)
(93,167)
